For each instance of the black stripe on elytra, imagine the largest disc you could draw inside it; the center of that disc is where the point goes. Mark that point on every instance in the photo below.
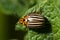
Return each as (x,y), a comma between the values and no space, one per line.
(34,25)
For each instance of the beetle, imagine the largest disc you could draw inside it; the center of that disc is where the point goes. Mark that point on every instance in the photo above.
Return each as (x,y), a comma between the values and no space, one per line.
(33,20)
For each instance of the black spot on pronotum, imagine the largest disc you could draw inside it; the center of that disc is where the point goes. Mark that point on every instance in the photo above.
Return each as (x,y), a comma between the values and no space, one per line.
(23,19)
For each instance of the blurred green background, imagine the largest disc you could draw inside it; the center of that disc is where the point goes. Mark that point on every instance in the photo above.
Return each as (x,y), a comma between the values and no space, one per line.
(12,10)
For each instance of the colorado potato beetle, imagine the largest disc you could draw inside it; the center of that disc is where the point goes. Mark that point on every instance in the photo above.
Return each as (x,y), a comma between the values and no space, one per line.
(32,20)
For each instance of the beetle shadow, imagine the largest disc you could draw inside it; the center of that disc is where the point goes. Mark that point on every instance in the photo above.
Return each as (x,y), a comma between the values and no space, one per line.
(12,33)
(45,29)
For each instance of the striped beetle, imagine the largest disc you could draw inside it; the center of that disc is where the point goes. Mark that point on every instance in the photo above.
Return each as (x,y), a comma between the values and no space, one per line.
(33,20)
